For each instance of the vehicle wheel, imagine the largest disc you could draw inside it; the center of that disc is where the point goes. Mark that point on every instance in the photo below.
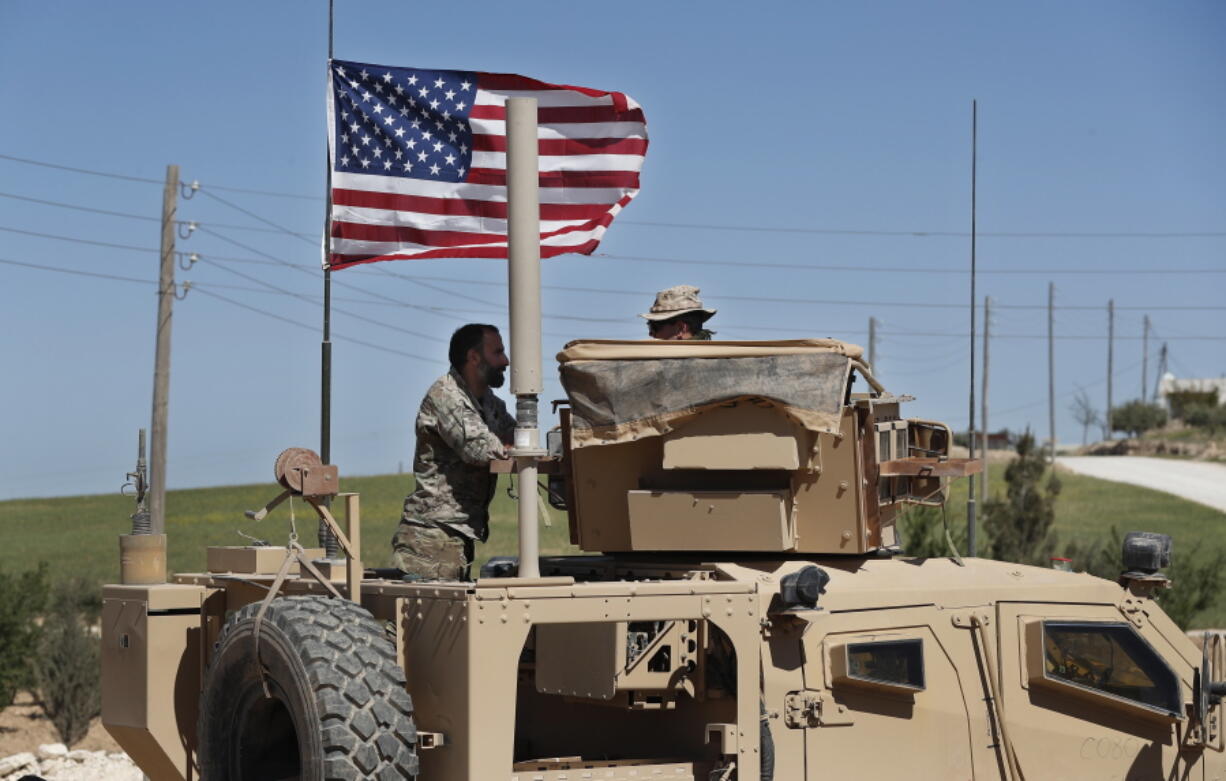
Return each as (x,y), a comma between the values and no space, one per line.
(339,708)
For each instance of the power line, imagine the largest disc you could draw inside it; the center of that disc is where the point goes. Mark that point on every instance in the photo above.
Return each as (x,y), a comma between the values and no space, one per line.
(28,161)
(927,234)
(132,216)
(77,272)
(291,321)
(902,269)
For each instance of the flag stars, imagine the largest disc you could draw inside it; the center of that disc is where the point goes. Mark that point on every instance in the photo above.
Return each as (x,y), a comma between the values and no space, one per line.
(389,119)
(387,77)
(399,90)
(438,83)
(365,163)
(421,157)
(366,96)
(365,140)
(438,146)
(434,105)
(412,80)
(434,170)
(423,92)
(400,133)
(450,94)
(378,88)
(461,106)
(465,85)
(377,109)
(387,165)
(450,160)
(364,74)
(377,152)
(461,172)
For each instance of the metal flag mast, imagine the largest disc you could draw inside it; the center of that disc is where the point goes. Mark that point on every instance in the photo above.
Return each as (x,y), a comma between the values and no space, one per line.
(326,539)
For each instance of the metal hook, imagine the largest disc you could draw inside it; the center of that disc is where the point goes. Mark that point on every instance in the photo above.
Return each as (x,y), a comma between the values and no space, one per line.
(186,287)
(192,257)
(191,228)
(189,190)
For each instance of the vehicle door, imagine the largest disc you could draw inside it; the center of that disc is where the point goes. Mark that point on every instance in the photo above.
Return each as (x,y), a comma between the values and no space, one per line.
(885,696)
(1088,692)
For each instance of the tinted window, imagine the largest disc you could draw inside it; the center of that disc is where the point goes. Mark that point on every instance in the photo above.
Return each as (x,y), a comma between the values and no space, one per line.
(899,662)
(1110,658)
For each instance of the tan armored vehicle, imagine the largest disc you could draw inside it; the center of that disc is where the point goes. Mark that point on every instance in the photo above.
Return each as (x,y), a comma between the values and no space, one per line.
(744,613)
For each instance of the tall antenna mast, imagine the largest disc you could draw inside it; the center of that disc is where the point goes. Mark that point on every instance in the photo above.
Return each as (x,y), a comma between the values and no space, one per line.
(970,494)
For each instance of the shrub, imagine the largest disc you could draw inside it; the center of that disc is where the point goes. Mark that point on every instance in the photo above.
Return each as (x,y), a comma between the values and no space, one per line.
(1206,416)
(1181,401)
(67,666)
(1019,526)
(922,530)
(1137,417)
(21,599)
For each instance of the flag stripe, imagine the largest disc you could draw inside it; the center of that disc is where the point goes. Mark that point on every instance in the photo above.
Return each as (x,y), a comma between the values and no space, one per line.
(555,115)
(570,130)
(563,179)
(395,202)
(376,220)
(568,146)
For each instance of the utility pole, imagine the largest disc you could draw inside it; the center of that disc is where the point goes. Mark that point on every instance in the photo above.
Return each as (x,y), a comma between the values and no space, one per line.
(872,343)
(1051,366)
(161,358)
(1161,371)
(1110,358)
(983,403)
(1144,358)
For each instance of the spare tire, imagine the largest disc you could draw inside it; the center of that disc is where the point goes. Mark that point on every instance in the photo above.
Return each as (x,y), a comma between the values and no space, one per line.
(338,710)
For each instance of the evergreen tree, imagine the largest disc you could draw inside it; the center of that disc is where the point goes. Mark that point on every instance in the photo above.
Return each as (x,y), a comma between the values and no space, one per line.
(1019,526)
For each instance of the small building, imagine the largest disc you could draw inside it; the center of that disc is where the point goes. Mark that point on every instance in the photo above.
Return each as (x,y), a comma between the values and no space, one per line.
(1172,388)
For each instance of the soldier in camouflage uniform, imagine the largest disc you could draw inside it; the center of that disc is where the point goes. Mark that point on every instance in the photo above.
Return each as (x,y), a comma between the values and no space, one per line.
(678,313)
(461,427)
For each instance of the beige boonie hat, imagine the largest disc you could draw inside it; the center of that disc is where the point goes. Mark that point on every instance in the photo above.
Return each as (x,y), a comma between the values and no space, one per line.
(676,301)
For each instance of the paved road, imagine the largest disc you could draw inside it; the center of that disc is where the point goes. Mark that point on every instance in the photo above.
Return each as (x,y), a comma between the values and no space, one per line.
(1196,480)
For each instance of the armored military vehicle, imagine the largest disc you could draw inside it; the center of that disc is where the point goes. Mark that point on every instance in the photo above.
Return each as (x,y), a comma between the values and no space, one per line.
(745,612)
(744,609)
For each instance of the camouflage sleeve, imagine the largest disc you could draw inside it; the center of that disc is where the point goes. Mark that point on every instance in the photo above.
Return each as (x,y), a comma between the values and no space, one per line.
(462,430)
(504,424)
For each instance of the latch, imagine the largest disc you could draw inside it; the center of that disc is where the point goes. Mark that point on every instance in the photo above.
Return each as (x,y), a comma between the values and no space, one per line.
(811,708)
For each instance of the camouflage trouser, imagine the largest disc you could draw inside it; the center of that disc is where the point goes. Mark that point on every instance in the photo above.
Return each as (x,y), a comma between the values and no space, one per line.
(431,552)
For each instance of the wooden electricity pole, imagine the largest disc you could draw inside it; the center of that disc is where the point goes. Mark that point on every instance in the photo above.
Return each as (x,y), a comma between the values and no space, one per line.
(161,359)
(872,344)
(1051,366)
(983,402)
(1144,359)
(1110,358)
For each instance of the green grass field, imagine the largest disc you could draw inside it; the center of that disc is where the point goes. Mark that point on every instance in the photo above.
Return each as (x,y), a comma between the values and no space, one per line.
(1088,508)
(77,535)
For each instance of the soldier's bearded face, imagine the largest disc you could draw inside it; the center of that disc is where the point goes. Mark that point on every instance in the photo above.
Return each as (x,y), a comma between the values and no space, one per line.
(493,364)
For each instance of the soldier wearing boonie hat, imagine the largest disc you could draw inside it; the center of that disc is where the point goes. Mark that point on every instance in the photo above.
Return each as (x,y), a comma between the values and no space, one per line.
(678,313)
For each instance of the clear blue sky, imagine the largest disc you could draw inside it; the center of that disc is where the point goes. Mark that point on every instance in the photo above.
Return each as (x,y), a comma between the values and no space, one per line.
(769,123)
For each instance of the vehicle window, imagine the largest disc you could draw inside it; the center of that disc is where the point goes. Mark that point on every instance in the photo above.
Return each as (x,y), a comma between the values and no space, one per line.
(899,662)
(1110,658)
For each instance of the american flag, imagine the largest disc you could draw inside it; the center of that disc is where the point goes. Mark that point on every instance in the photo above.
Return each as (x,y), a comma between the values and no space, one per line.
(419,162)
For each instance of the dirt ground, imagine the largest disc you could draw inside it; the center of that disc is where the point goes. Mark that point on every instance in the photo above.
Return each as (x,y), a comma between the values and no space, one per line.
(23,727)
